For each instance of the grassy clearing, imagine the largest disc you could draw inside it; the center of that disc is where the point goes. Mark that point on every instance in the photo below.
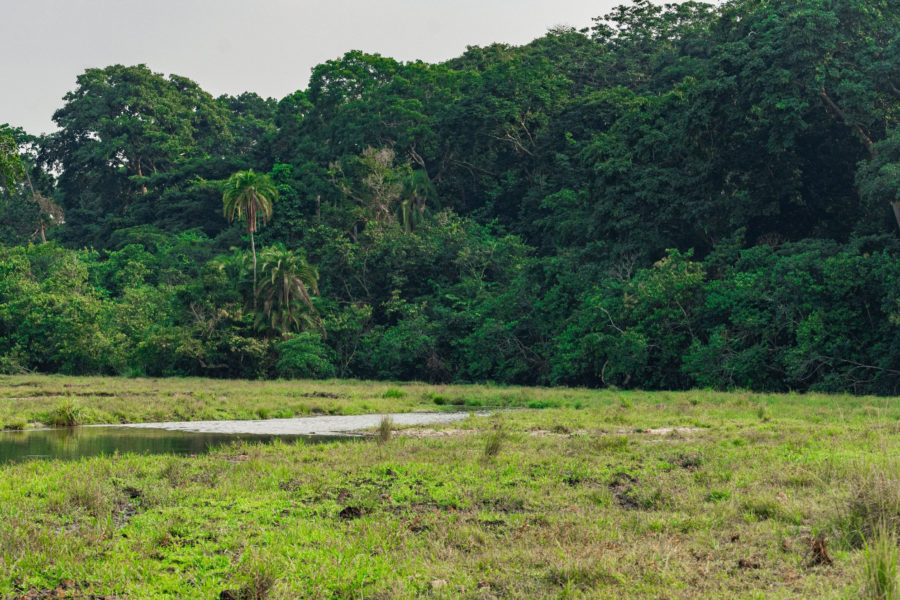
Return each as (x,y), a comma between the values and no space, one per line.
(598,495)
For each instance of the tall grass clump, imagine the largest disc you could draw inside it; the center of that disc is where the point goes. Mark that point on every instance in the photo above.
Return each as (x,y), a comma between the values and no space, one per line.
(494,443)
(385,430)
(879,575)
(874,502)
(66,414)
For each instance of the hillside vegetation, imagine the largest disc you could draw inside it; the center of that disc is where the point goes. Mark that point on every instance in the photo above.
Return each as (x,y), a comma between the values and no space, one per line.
(693,195)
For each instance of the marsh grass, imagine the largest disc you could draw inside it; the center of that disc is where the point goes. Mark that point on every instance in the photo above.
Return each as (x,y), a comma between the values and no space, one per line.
(66,414)
(385,430)
(582,498)
(880,558)
(494,442)
(874,502)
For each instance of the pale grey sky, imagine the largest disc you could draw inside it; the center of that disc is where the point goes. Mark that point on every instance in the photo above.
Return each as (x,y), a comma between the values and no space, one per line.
(231,46)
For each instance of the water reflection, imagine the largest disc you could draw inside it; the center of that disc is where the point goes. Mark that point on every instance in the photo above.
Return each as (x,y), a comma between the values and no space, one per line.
(80,442)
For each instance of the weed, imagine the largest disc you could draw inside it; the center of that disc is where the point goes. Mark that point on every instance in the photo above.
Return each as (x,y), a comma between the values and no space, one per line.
(494,443)
(718,496)
(66,414)
(539,404)
(880,556)
(385,428)
(438,399)
(258,576)
(393,393)
(761,509)
(611,443)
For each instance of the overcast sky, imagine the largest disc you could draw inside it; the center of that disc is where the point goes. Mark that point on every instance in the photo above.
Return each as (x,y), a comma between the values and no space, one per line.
(232,46)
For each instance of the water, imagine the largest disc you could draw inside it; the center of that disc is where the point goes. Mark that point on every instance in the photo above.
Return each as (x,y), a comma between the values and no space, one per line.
(195,437)
(305,425)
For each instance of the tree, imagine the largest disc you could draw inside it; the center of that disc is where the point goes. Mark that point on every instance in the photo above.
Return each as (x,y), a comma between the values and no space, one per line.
(249,197)
(10,164)
(128,141)
(286,290)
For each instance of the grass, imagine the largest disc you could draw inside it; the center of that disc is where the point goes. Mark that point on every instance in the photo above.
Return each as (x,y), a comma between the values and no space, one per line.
(880,558)
(385,430)
(600,494)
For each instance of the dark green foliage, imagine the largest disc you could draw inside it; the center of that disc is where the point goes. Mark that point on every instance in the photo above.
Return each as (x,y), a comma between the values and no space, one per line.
(681,195)
(305,356)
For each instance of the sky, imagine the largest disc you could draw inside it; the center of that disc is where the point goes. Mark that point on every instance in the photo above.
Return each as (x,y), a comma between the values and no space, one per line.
(232,46)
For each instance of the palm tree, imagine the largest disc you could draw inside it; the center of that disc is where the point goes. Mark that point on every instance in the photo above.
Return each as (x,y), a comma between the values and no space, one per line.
(286,290)
(249,196)
(417,190)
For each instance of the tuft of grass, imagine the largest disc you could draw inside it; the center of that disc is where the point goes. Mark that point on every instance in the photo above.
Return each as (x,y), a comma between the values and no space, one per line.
(439,399)
(66,414)
(879,573)
(611,443)
(385,430)
(874,502)
(393,393)
(761,509)
(494,443)
(718,496)
(258,577)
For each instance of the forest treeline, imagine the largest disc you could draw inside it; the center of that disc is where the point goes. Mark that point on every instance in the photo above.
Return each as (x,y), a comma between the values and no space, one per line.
(678,196)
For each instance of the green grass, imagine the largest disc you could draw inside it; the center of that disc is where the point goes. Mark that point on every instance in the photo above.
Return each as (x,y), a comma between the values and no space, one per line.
(602,494)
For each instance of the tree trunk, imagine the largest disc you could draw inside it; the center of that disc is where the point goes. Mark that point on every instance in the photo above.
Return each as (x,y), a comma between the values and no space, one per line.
(253,247)
(896,207)
(44,237)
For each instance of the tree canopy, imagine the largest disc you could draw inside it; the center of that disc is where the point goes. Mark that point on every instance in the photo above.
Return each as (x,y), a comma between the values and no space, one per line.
(679,195)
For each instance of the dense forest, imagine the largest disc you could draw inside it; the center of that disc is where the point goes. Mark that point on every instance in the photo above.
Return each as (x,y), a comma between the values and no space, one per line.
(689,195)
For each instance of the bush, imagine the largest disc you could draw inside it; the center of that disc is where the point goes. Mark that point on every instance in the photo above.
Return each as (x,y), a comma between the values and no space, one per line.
(66,414)
(305,356)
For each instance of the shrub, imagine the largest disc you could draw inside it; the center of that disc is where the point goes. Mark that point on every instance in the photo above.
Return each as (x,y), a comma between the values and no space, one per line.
(66,414)
(304,356)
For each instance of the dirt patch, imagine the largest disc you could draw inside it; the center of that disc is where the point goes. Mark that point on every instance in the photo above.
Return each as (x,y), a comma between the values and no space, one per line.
(291,485)
(671,430)
(690,462)
(351,512)
(320,395)
(433,433)
(622,488)
(819,552)
(558,431)
(68,589)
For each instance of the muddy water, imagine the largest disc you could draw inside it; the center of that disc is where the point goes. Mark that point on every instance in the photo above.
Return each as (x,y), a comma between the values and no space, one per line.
(305,425)
(194,437)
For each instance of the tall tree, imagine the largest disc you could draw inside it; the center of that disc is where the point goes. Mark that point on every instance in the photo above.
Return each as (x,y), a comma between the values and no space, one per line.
(127,136)
(10,165)
(249,196)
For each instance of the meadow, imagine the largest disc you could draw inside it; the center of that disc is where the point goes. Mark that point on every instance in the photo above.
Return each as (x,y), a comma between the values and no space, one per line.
(566,493)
